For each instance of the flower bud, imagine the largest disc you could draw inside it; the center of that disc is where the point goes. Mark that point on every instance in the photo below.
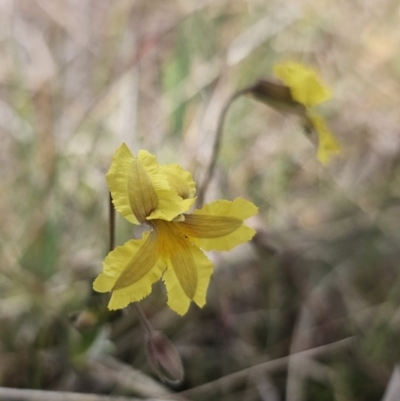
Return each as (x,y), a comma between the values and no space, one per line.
(164,358)
(277,96)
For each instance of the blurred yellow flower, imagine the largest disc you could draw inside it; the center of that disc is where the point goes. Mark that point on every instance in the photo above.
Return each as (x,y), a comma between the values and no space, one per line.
(307,89)
(161,195)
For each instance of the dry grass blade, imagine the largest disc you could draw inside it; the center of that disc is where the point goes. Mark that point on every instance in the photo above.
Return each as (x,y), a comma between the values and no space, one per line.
(14,394)
(393,388)
(271,366)
(127,378)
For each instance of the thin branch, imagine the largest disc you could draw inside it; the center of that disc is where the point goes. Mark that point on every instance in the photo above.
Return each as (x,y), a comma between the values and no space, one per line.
(231,380)
(393,388)
(111,226)
(17,394)
(126,378)
(217,145)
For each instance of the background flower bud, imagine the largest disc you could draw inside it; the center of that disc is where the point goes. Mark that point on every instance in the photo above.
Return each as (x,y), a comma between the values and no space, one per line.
(277,96)
(164,358)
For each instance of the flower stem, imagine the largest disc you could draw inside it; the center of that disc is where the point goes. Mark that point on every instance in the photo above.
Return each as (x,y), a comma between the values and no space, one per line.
(217,144)
(111,223)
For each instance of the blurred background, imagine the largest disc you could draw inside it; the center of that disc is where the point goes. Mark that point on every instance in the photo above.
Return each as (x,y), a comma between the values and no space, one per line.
(310,309)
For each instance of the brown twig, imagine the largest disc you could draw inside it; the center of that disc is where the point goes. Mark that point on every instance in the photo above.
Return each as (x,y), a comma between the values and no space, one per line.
(111,224)
(126,378)
(17,394)
(232,379)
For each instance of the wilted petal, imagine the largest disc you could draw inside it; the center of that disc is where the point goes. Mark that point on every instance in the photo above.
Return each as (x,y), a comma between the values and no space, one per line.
(328,146)
(304,83)
(219,225)
(130,270)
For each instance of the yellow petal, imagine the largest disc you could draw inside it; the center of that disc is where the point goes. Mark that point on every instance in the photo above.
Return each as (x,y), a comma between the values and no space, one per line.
(304,83)
(188,269)
(140,190)
(187,278)
(130,270)
(180,180)
(328,146)
(175,249)
(142,195)
(205,269)
(117,180)
(170,204)
(219,225)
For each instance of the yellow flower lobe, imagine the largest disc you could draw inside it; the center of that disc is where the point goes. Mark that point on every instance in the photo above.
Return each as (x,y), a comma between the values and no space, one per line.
(142,196)
(304,83)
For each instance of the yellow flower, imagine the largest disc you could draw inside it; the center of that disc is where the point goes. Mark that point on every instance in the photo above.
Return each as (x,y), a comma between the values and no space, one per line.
(308,89)
(161,195)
